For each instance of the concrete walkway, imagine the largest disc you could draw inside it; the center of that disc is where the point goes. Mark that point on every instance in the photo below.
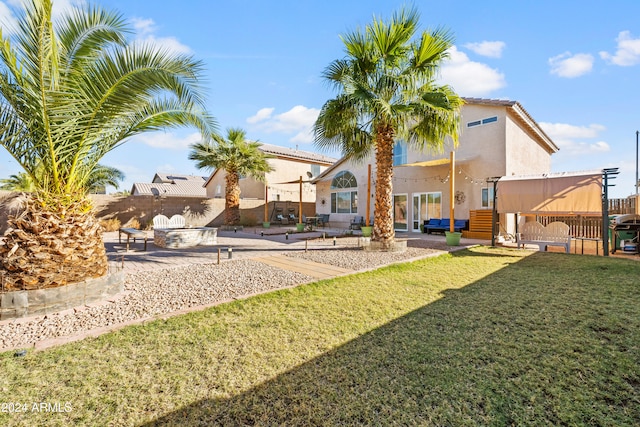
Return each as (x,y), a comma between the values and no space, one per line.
(310,268)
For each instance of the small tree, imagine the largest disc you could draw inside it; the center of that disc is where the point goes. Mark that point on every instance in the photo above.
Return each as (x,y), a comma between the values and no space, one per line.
(100,178)
(237,157)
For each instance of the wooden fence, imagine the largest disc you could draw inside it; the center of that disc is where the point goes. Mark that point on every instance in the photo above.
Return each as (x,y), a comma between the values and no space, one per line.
(579,226)
(622,206)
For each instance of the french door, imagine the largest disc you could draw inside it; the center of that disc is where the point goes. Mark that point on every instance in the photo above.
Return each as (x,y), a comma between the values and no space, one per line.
(425,206)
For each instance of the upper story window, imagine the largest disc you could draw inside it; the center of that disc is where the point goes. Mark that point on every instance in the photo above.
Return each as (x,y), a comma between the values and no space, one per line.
(484,121)
(315,170)
(400,153)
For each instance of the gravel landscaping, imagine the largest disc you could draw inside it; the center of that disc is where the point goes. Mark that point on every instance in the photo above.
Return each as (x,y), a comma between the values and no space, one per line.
(160,292)
(152,293)
(353,257)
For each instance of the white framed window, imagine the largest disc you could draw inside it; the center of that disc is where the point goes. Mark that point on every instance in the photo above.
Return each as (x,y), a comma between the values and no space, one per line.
(344,193)
(481,122)
(487,197)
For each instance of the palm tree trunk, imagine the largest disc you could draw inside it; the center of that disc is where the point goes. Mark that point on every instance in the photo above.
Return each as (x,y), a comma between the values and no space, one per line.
(232,199)
(383,230)
(48,245)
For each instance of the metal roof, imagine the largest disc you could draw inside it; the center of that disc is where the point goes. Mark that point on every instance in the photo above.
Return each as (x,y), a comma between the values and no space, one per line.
(179,189)
(171,178)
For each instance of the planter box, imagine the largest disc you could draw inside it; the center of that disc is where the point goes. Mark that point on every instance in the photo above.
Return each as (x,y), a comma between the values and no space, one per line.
(38,302)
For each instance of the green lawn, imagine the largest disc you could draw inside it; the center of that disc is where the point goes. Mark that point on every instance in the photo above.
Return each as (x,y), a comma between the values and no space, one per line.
(480,337)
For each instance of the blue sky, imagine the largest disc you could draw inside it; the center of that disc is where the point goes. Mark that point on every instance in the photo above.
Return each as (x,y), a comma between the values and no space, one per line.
(574,66)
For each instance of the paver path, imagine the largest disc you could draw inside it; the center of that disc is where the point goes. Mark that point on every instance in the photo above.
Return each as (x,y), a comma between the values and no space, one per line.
(310,268)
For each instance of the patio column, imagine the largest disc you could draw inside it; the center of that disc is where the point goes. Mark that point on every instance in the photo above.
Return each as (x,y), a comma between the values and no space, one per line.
(366,219)
(300,205)
(266,202)
(452,175)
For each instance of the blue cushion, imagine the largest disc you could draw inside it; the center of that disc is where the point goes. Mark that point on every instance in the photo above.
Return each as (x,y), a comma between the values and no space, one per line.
(433,222)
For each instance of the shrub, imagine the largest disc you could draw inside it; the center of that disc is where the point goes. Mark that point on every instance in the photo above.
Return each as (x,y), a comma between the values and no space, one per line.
(248,219)
(111,224)
(133,223)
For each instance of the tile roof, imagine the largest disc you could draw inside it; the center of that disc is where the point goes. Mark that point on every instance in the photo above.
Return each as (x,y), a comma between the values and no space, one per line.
(276,150)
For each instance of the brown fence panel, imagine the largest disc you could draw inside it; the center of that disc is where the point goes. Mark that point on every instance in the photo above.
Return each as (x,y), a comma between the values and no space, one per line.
(579,226)
(622,206)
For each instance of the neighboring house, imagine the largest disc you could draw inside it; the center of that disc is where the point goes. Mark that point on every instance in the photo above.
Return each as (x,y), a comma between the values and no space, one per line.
(171,185)
(498,138)
(172,178)
(283,182)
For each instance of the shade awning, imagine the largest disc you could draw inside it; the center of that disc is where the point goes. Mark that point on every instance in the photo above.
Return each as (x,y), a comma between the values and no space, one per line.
(435,162)
(569,193)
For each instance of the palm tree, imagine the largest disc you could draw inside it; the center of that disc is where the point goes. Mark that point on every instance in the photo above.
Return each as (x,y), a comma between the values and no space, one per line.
(69,94)
(18,182)
(388,91)
(237,157)
(101,177)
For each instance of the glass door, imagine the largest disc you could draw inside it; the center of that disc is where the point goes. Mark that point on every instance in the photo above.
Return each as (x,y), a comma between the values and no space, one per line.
(425,206)
(400,212)
(419,211)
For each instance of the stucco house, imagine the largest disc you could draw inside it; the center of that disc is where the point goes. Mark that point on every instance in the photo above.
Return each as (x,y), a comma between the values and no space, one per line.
(498,138)
(282,183)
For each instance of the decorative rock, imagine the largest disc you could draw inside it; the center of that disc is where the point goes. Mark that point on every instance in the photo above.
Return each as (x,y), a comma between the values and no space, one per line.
(161,292)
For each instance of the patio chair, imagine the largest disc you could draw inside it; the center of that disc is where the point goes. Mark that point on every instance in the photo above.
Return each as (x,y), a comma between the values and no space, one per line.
(357,222)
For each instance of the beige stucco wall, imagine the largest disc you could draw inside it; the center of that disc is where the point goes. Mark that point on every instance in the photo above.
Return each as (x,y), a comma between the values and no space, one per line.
(525,157)
(489,150)
(285,170)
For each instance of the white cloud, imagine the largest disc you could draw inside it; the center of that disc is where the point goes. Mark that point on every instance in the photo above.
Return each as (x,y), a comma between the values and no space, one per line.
(628,52)
(146,28)
(262,114)
(170,44)
(571,138)
(470,78)
(168,140)
(486,48)
(298,121)
(568,65)
(143,26)
(8,19)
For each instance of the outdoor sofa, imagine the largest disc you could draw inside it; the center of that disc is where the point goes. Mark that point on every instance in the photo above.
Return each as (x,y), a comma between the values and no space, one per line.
(440,225)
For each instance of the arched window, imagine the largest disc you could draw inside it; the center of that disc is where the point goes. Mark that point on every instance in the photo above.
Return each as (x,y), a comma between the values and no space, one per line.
(344,193)
(344,179)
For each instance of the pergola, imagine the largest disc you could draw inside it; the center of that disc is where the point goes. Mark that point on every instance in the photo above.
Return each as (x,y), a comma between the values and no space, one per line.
(565,193)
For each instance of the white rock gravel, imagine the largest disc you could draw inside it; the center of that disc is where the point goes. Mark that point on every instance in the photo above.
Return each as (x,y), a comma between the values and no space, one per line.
(160,292)
(152,293)
(353,257)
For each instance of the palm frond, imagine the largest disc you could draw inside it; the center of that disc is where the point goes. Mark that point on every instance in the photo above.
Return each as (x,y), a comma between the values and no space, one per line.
(71,93)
